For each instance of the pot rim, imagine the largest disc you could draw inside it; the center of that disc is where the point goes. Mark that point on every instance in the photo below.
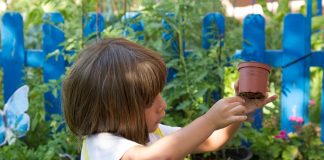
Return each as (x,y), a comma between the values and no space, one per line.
(254,64)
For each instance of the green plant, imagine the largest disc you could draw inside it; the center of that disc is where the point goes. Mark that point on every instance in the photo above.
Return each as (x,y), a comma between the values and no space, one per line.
(268,144)
(47,143)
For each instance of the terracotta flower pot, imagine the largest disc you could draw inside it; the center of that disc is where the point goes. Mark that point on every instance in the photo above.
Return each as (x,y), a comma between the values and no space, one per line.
(253,79)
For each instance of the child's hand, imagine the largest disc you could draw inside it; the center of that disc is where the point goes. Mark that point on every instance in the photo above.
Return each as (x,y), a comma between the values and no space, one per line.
(227,111)
(253,104)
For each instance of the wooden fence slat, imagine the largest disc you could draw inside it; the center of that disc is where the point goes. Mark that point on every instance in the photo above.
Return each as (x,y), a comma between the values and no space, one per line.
(273,58)
(317,59)
(213,29)
(295,78)
(254,49)
(132,21)
(169,35)
(92,25)
(254,38)
(54,66)
(13,55)
(35,58)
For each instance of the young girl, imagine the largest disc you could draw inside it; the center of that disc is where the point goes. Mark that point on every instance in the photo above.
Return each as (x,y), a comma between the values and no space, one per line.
(112,98)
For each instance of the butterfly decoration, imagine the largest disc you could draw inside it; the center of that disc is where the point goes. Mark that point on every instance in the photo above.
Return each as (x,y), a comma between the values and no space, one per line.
(14,122)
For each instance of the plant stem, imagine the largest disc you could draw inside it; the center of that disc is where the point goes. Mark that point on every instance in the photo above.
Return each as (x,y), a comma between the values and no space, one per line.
(125,7)
(181,54)
(82,23)
(219,52)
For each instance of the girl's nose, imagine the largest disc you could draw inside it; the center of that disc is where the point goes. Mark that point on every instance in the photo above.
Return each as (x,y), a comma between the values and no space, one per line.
(164,103)
(162,106)
(162,109)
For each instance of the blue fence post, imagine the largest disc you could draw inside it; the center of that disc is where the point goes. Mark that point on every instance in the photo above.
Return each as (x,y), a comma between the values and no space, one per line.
(254,49)
(213,30)
(13,54)
(171,43)
(93,25)
(254,38)
(54,66)
(319,13)
(132,21)
(317,58)
(319,8)
(295,76)
(168,34)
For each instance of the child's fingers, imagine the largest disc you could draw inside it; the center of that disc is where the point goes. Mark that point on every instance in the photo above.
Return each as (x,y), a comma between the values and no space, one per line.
(268,100)
(239,110)
(230,106)
(250,118)
(234,99)
(239,118)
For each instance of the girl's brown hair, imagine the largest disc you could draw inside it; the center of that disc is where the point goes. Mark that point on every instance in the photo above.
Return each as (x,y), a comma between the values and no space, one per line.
(109,87)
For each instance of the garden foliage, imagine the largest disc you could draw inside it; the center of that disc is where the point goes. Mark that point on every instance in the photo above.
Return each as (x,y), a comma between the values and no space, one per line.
(199,74)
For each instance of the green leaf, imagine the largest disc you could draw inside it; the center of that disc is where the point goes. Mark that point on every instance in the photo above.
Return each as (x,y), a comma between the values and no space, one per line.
(290,152)
(183,105)
(317,22)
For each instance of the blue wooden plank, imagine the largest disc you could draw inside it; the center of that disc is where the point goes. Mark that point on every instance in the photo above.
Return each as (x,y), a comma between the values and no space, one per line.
(295,77)
(254,38)
(13,55)
(92,25)
(171,43)
(213,29)
(54,66)
(322,111)
(274,57)
(320,58)
(35,58)
(271,57)
(132,21)
(253,49)
(317,59)
(169,36)
(308,30)
(319,8)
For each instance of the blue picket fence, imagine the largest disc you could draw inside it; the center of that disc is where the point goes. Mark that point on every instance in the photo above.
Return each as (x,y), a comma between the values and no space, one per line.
(14,57)
(294,59)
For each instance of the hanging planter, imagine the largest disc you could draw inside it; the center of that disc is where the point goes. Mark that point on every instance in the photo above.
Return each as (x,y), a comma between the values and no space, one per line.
(253,79)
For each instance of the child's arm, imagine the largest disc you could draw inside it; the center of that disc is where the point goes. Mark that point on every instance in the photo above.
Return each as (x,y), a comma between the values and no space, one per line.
(220,137)
(187,139)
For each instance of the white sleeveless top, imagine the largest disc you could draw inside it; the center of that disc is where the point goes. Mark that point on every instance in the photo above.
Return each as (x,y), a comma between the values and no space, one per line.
(106,146)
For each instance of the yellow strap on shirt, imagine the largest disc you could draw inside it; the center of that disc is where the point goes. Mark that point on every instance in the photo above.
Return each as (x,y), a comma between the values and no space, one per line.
(158,132)
(85,150)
